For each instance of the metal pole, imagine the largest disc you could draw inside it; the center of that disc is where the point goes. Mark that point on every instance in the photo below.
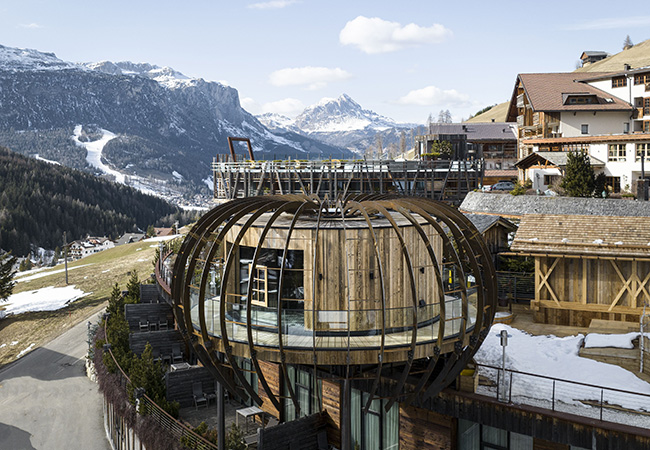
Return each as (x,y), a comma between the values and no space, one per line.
(221,418)
(641,339)
(346,416)
(65,255)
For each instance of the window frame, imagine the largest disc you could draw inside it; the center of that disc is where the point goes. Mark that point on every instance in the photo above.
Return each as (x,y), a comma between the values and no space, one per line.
(584,128)
(619,82)
(617,153)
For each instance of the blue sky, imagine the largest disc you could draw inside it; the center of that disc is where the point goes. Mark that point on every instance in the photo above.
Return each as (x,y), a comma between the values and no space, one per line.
(401,59)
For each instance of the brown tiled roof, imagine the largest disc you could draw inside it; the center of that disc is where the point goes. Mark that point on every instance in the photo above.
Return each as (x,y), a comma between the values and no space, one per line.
(558,159)
(545,92)
(587,235)
(589,139)
(501,173)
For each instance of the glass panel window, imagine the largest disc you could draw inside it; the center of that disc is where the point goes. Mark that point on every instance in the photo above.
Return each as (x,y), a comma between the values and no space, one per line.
(495,436)
(584,128)
(520,442)
(376,430)
(619,82)
(616,152)
(646,106)
(642,151)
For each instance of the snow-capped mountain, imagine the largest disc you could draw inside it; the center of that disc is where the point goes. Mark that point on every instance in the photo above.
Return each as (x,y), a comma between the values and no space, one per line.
(343,122)
(278,122)
(162,124)
(340,115)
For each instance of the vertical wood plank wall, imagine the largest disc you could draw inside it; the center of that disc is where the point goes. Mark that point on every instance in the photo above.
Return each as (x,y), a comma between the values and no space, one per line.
(420,429)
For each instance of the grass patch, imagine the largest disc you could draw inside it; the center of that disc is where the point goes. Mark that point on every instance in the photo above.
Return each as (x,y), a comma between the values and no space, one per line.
(102,270)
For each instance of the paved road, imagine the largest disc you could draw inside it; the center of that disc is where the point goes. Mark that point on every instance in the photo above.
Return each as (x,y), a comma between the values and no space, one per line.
(47,402)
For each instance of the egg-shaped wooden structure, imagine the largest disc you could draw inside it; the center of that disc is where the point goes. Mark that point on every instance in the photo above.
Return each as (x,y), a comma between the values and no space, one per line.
(365,282)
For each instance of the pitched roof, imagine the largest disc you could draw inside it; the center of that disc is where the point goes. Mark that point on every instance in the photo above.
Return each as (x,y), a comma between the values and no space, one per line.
(504,173)
(515,206)
(475,132)
(548,92)
(636,56)
(633,137)
(558,159)
(568,234)
(484,222)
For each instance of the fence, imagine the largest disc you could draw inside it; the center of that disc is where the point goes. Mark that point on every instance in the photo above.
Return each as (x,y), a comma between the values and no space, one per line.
(124,438)
(572,397)
(516,286)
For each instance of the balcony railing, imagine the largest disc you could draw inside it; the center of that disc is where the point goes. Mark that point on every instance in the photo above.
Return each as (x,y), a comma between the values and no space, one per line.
(566,396)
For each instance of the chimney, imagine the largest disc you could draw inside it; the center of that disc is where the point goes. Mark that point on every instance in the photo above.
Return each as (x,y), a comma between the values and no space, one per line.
(626,67)
(492,120)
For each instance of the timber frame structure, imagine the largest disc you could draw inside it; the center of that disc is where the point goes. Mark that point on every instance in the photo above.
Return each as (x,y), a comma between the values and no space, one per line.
(587,267)
(447,180)
(364,288)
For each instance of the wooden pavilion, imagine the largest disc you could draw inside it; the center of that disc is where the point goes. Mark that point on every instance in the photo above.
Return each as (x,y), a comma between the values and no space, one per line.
(587,267)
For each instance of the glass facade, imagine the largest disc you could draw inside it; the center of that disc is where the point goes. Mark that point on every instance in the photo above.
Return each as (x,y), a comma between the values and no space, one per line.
(376,430)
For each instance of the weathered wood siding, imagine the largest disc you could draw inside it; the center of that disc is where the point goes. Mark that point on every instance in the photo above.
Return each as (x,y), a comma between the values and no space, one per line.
(420,428)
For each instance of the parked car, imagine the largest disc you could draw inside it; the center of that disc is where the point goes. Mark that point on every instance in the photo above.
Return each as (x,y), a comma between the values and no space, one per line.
(503,186)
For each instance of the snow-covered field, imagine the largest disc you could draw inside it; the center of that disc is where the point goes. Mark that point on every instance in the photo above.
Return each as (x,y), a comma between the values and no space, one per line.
(27,276)
(46,299)
(558,359)
(94,152)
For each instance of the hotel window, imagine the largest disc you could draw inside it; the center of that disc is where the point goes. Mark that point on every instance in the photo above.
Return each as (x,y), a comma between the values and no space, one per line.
(626,127)
(646,127)
(641,78)
(646,106)
(584,128)
(619,82)
(613,183)
(377,430)
(642,150)
(308,391)
(616,152)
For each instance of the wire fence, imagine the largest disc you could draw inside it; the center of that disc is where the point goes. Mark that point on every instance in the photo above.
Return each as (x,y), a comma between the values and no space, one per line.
(572,397)
(147,407)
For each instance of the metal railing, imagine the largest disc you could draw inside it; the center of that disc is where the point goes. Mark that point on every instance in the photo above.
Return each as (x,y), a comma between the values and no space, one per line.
(566,396)
(147,407)
(516,286)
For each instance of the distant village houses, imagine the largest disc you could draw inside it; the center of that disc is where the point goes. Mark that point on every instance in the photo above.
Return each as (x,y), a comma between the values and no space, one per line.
(89,246)
(602,109)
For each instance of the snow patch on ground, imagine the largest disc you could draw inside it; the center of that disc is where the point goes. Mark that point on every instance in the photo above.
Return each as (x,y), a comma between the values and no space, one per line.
(46,299)
(22,352)
(162,238)
(209,182)
(94,152)
(557,358)
(554,357)
(47,274)
(177,175)
(597,340)
(46,160)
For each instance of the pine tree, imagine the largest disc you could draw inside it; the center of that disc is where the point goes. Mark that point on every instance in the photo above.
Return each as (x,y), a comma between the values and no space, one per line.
(627,43)
(133,289)
(7,273)
(578,176)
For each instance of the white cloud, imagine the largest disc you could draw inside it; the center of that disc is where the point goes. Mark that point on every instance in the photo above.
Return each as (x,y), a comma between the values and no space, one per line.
(310,77)
(375,35)
(289,107)
(431,95)
(30,25)
(274,4)
(250,105)
(611,23)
